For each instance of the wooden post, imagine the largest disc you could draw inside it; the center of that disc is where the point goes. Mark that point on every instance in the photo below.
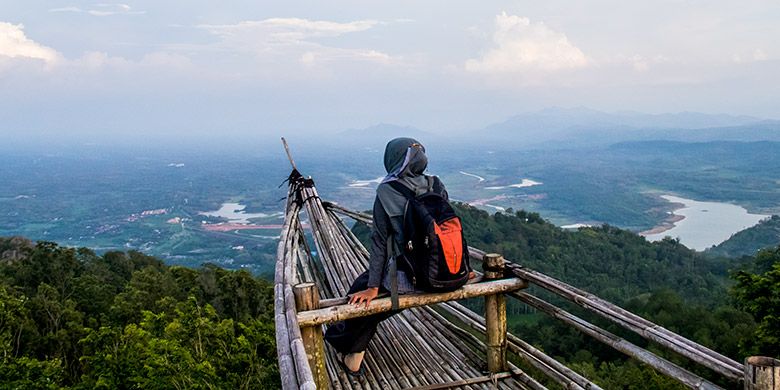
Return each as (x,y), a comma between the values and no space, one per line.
(495,316)
(762,373)
(307,297)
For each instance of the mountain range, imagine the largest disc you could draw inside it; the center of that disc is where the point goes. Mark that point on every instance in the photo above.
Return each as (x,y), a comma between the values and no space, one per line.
(586,127)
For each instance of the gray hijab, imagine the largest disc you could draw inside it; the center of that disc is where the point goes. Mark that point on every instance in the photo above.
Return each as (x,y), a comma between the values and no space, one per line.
(405,162)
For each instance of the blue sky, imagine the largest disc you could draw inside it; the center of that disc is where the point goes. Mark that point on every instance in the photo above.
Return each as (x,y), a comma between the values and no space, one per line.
(144,68)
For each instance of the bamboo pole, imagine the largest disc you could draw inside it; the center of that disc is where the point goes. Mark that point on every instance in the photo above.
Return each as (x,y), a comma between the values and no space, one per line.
(284,351)
(289,156)
(438,373)
(469,344)
(762,373)
(344,312)
(455,350)
(358,216)
(456,354)
(302,369)
(307,298)
(662,365)
(392,347)
(330,302)
(495,316)
(469,381)
(303,266)
(320,244)
(448,307)
(293,366)
(694,351)
(564,376)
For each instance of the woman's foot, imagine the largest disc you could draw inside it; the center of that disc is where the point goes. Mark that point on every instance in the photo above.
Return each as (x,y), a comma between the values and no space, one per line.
(352,363)
(354,360)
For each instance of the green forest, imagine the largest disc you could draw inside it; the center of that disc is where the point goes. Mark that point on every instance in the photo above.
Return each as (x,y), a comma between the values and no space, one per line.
(730,305)
(72,319)
(765,234)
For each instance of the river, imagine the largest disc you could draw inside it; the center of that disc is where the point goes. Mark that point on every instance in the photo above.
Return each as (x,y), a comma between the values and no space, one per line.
(705,224)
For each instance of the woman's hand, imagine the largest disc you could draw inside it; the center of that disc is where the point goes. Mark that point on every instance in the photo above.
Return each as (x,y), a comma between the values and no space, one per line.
(366,295)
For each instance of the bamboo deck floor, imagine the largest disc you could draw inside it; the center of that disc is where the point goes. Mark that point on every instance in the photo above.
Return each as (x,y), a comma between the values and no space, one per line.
(415,348)
(403,355)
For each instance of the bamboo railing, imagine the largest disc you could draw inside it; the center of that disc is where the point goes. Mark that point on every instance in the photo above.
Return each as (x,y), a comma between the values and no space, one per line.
(428,345)
(293,365)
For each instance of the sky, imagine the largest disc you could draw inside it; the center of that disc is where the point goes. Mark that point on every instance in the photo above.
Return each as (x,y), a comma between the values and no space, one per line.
(145,69)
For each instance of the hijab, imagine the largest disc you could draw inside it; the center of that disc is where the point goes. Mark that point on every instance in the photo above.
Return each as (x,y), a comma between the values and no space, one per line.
(405,161)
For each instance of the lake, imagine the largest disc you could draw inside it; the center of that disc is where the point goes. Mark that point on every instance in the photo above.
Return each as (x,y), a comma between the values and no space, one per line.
(705,224)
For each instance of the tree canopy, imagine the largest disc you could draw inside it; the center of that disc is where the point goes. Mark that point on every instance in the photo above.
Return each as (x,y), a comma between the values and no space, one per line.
(72,319)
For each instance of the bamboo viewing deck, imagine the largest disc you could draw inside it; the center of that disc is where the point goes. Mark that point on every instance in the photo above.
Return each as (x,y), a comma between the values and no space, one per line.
(438,343)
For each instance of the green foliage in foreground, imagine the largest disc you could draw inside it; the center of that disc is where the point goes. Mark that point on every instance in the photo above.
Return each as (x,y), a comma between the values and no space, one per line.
(766,234)
(72,319)
(665,282)
(759,294)
(625,375)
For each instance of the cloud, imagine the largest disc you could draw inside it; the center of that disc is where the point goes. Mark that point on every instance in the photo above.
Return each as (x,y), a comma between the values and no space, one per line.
(287,30)
(521,45)
(25,60)
(15,44)
(102,9)
(294,39)
(311,58)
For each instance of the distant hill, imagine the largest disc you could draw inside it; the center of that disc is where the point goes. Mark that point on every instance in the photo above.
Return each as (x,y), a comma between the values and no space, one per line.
(591,127)
(755,152)
(556,118)
(749,241)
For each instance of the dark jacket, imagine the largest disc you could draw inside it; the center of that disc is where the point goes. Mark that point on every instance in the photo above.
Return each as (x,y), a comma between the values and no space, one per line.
(384,226)
(405,161)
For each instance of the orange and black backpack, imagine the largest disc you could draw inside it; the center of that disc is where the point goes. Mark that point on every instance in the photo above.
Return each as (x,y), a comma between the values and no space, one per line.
(433,250)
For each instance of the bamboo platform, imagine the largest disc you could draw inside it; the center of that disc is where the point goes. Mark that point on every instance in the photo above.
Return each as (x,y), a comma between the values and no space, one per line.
(438,343)
(416,348)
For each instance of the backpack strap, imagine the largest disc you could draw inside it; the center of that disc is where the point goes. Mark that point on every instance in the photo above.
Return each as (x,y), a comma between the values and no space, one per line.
(436,186)
(409,195)
(393,273)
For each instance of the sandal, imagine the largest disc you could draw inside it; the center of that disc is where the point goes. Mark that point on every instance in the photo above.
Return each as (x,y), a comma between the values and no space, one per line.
(359,374)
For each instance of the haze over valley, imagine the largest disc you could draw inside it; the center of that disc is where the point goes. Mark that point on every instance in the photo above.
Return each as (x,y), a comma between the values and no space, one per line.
(215,204)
